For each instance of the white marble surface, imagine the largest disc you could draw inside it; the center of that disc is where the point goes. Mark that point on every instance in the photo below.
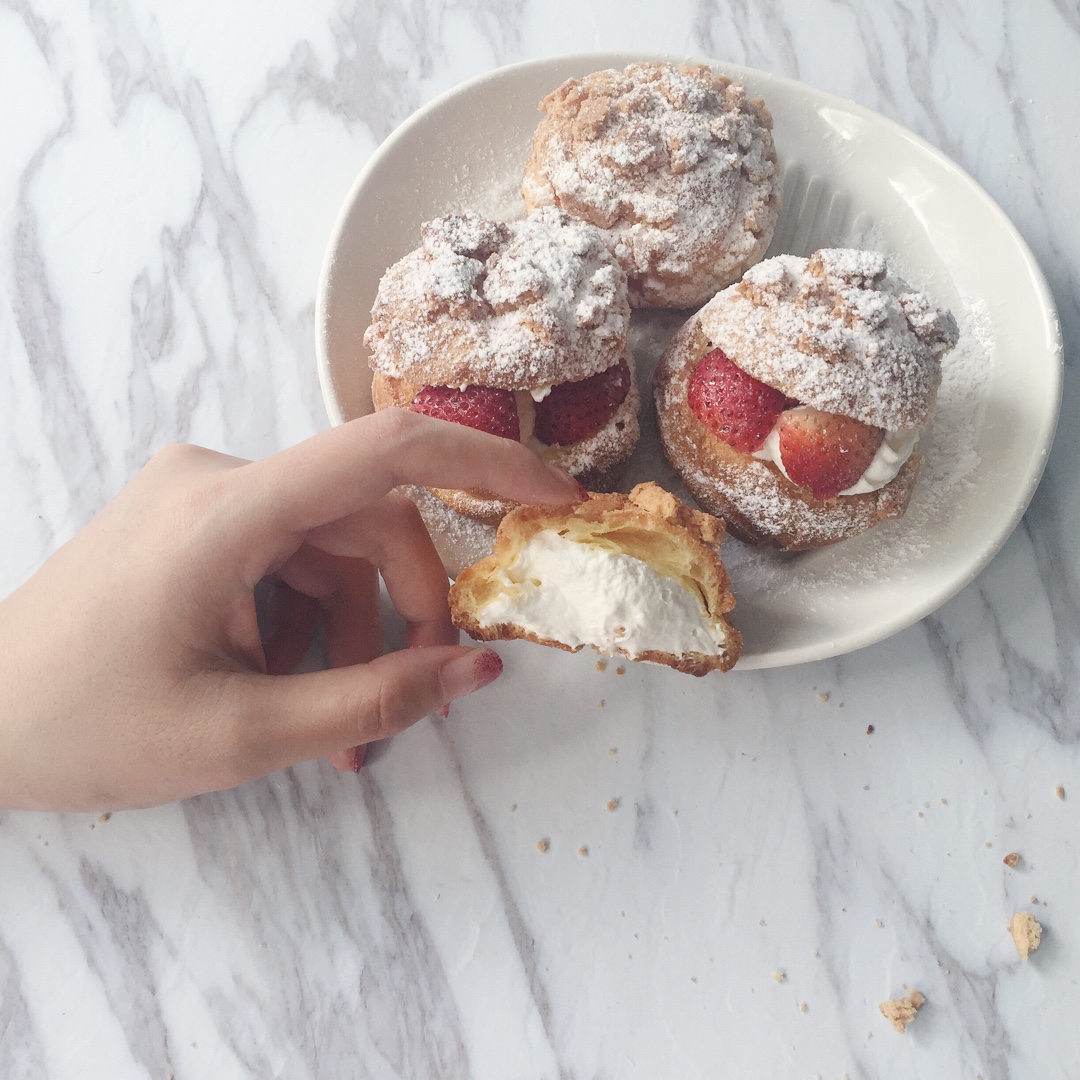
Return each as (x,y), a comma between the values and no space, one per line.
(168,177)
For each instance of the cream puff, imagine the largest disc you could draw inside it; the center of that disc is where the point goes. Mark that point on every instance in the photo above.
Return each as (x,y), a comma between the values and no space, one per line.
(791,404)
(519,329)
(676,164)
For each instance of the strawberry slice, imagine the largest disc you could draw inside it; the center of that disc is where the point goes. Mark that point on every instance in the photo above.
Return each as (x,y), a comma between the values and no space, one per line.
(733,405)
(578,410)
(482,407)
(826,452)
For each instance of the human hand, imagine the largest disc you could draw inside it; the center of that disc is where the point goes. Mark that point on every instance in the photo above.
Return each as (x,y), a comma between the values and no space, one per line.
(131,667)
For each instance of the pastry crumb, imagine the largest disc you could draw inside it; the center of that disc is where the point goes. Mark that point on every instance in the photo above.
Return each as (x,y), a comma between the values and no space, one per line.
(612,750)
(869,729)
(513,807)
(866,787)
(613,804)
(901,1011)
(779,976)
(878,923)
(693,978)
(600,703)
(1034,900)
(542,846)
(601,665)
(105,817)
(620,670)
(1059,791)
(1026,933)
(803,1007)
(814,953)
(761,922)
(988,844)
(583,851)
(1011,859)
(944,802)
(920,814)
(823,698)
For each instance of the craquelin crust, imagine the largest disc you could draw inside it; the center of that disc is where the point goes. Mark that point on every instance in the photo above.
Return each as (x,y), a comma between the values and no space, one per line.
(759,504)
(649,524)
(518,305)
(835,331)
(677,164)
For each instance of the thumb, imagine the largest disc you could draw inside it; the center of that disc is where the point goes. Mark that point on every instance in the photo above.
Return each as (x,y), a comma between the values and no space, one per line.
(312,715)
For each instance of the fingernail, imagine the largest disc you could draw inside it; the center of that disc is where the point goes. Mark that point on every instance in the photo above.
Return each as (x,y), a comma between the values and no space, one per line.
(580,494)
(469,673)
(444,712)
(358,758)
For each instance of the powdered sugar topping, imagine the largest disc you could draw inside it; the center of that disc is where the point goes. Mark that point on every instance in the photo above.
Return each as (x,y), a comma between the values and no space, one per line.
(517,305)
(836,331)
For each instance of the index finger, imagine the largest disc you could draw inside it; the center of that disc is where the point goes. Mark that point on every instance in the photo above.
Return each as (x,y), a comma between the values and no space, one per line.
(340,471)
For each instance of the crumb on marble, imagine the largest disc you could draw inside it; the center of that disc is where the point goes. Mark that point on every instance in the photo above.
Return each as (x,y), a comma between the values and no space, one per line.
(104,817)
(761,922)
(814,953)
(803,1007)
(583,851)
(869,729)
(693,978)
(779,976)
(920,814)
(1011,859)
(542,846)
(823,697)
(944,801)
(1059,791)
(1034,900)
(866,787)
(601,665)
(612,750)
(600,703)
(1026,933)
(620,670)
(988,844)
(901,1011)
(878,923)
(926,806)
(612,804)
(513,807)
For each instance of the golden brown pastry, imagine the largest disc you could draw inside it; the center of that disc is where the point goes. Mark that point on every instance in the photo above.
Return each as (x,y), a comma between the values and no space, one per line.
(791,403)
(638,575)
(676,164)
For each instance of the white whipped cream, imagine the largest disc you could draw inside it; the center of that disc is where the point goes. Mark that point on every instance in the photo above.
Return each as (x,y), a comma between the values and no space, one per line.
(541,393)
(894,450)
(584,594)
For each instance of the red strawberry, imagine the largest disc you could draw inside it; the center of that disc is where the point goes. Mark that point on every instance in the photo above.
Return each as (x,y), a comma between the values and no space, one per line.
(733,405)
(481,407)
(826,452)
(578,410)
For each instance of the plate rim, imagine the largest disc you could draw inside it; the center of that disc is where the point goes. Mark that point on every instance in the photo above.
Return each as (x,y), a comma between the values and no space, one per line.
(992,541)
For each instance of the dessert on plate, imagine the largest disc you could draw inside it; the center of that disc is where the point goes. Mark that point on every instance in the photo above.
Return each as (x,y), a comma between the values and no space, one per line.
(519,329)
(792,402)
(638,575)
(676,164)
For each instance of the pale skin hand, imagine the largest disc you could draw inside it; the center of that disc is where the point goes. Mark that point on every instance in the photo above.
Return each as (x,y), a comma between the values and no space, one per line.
(131,667)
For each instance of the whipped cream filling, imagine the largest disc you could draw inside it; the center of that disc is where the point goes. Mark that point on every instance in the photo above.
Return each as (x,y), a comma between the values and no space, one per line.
(895,449)
(584,594)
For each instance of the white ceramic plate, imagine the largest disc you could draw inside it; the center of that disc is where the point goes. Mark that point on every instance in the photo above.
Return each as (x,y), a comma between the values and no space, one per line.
(852,178)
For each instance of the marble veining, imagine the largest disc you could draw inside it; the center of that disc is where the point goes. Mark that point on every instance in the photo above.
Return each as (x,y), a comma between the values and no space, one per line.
(169,176)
